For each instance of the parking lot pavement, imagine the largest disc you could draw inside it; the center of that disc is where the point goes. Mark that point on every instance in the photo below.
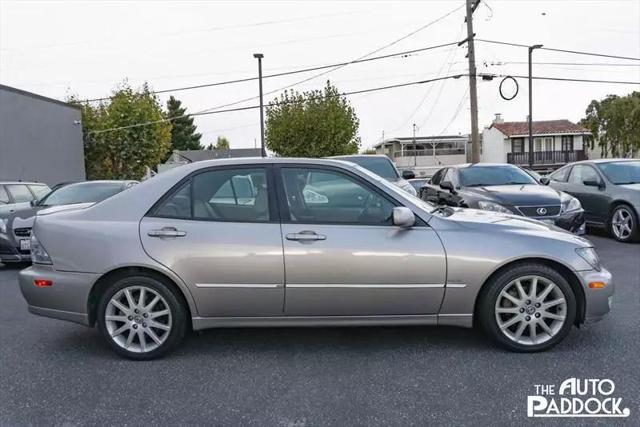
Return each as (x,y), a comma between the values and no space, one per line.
(57,372)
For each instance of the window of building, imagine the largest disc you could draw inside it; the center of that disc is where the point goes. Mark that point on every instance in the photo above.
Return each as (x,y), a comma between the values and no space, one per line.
(567,143)
(517,145)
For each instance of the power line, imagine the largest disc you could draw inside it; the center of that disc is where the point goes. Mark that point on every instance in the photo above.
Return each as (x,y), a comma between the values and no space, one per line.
(577,52)
(286,73)
(604,64)
(251,107)
(563,79)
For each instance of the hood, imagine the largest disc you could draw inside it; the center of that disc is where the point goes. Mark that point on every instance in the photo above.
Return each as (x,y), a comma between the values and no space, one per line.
(475,218)
(63,208)
(518,195)
(635,187)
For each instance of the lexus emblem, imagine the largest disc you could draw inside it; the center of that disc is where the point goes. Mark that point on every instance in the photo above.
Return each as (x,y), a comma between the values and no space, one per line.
(541,211)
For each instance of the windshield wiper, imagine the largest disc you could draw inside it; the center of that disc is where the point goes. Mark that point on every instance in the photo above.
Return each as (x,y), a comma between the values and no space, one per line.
(628,182)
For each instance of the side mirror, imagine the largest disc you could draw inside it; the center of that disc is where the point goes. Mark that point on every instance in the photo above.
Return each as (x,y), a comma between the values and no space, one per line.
(33,203)
(592,183)
(545,180)
(403,217)
(447,185)
(408,174)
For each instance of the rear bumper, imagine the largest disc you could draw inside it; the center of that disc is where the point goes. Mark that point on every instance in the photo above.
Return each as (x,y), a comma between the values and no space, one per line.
(597,301)
(67,298)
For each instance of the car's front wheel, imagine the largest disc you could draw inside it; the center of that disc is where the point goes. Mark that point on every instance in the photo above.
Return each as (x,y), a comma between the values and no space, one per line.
(529,307)
(141,317)
(623,224)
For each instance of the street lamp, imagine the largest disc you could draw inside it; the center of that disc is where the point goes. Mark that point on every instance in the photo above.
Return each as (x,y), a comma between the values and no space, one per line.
(259,56)
(531,49)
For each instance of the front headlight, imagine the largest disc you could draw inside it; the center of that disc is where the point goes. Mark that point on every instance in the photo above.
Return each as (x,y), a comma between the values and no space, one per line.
(570,203)
(3,226)
(38,254)
(493,207)
(590,256)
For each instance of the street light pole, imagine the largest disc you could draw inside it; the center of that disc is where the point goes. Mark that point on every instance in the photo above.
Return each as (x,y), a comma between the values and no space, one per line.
(259,56)
(415,149)
(531,49)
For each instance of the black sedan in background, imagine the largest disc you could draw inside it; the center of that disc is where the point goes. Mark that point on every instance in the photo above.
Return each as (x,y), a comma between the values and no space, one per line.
(15,230)
(609,191)
(503,188)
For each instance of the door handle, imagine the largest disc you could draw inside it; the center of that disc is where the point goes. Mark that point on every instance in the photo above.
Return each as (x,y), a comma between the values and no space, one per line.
(306,236)
(166,232)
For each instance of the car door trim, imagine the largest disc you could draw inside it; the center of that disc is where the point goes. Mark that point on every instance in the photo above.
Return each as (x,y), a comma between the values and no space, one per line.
(362,285)
(240,285)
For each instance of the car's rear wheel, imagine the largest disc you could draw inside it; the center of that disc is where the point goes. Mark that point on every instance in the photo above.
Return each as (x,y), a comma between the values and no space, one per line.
(141,317)
(623,224)
(527,308)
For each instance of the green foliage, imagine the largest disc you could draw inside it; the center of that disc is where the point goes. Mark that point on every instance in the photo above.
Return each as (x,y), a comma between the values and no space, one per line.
(615,124)
(222,143)
(124,153)
(312,124)
(183,131)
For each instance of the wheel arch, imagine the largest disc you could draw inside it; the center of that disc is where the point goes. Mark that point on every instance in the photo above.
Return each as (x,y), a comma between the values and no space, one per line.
(101,284)
(565,271)
(614,204)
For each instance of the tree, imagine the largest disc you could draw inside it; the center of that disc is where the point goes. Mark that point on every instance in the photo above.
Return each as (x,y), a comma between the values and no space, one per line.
(312,124)
(222,143)
(125,152)
(183,132)
(615,124)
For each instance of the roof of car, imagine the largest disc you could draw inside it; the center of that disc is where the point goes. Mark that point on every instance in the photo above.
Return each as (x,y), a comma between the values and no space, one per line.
(351,156)
(475,165)
(606,160)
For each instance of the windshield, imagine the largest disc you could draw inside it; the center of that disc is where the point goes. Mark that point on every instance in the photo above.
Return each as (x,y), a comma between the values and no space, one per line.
(621,172)
(483,176)
(81,193)
(379,165)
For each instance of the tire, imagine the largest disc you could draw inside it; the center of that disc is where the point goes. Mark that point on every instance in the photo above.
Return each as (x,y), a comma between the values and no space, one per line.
(141,334)
(496,310)
(627,218)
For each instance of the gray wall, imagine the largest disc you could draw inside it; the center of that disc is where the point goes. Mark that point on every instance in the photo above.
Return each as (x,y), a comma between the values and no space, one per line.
(38,139)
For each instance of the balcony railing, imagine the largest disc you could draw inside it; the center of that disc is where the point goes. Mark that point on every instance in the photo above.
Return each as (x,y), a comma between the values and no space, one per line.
(546,157)
(430,152)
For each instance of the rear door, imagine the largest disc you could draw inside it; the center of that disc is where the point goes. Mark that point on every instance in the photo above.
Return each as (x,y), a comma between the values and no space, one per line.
(219,231)
(342,254)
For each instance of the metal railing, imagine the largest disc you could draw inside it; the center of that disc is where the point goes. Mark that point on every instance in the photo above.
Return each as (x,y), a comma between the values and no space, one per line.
(430,152)
(546,157)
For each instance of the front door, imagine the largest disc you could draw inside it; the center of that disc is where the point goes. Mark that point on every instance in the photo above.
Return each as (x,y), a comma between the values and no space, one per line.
(342,254)
(595,200)
(220,233)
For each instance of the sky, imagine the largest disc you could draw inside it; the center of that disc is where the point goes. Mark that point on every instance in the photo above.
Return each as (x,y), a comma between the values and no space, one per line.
(87,48)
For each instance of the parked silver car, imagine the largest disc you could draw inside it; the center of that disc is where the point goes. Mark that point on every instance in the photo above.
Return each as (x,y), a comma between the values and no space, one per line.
(307,243)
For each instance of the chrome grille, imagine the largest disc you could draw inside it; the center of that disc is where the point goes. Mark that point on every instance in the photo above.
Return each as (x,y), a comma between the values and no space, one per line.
(539,211)
(22,232)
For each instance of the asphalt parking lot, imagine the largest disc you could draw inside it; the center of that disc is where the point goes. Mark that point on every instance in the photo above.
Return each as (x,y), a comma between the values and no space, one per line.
(52,372)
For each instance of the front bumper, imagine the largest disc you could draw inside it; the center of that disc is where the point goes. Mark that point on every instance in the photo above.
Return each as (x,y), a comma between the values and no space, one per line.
(66,299)
(597,301)
(10,253)
(572,221)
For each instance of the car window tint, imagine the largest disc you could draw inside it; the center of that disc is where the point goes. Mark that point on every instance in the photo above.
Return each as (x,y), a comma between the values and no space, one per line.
(231,195)
(437,177)
(581,173)
(325,196)
(20,193)
(87,192)
(4,197)
(178,205)
(560,175)
(382,166)
(39,190)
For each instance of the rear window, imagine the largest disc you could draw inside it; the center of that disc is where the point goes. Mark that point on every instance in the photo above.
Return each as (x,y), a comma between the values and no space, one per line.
(20,193)
(81,193)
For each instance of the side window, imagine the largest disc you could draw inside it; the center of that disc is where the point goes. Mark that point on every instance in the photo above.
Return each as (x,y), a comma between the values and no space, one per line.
(4,197)
(221,195)
(560,175)
(451,176)
(437,177)
(20,193)
(326,196)
(39,190)
(581,173)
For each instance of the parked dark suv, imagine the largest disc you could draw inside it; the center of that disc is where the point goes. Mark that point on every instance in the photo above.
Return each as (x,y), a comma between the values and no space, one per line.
(506,189)
(609,190)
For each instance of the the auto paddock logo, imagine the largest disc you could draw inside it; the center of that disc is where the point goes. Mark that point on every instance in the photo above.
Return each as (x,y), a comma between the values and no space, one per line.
(576,398)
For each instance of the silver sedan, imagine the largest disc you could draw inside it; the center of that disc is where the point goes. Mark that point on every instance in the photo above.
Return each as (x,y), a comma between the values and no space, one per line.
(295,242)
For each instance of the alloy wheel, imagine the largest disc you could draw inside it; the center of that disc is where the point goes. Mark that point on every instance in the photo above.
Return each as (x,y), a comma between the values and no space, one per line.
(138,319)
(531,310)
(622,224)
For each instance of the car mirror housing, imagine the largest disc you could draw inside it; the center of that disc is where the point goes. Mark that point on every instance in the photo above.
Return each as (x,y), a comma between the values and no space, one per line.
(545,180)
(408,175)
(447,185)
(403,217)
(592,183)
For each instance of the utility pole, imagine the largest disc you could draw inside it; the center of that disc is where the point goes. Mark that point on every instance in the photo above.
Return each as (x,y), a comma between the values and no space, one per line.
(530,119)
(259,56)
(473,93)
(415,149)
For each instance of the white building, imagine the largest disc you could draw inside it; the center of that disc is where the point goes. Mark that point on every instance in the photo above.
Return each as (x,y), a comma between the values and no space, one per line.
(425,154)
(555,143)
